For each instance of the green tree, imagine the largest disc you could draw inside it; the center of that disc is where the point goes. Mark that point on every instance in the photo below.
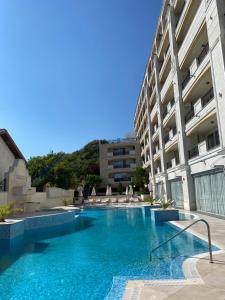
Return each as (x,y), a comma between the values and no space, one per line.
(93,180)
(66,170)
(140,178)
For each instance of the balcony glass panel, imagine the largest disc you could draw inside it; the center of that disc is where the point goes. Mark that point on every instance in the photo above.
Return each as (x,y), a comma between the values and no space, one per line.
(213,140)
(193,152)
(203,54)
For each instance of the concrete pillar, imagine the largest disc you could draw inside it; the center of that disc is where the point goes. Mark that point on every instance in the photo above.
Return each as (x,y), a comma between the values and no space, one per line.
(161,131)
(189,200)
(151,175)
(216,34)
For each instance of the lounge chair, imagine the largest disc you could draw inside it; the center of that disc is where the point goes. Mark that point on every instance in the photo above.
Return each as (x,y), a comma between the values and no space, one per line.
(113,200)
(105,200)
(122,200)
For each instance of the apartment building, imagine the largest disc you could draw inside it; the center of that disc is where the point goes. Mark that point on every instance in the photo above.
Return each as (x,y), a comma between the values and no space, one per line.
(180,114)
(118,161)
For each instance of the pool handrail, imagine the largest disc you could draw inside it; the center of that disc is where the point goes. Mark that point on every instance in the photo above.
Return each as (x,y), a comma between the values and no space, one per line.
(190,225)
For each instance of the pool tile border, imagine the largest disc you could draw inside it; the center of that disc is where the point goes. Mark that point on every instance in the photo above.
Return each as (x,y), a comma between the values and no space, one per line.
(192,277)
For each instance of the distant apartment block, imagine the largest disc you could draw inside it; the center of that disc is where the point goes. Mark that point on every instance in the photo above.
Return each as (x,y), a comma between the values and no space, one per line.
(119,160)
(180,114)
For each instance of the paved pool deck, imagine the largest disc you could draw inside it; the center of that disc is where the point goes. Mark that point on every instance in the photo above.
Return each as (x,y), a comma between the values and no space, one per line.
(205,280)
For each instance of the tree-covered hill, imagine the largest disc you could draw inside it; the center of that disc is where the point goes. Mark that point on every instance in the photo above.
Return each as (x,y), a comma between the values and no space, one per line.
(63,169)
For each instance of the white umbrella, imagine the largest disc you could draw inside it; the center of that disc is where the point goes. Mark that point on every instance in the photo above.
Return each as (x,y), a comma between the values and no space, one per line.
(107,191)
(80,191)
(127,190)
(110,191)
(93,193)
(131,190)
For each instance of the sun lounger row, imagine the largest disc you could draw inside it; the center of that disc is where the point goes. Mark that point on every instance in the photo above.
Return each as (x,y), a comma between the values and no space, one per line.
(111,200)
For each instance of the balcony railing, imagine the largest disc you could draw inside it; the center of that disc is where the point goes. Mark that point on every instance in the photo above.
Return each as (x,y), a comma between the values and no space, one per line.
(207,97)
(120,153)
(166,138)
(169,164)
(186,79)
(157,170)
(122,179)
(203,54)
(166,111)
(204,101)
(193,152)
(169,136)
(120,141)
(213,140)
(190,115)
(181,12)
(125,166)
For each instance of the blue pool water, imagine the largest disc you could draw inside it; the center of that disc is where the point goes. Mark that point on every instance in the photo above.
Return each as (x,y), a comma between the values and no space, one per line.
(105,246)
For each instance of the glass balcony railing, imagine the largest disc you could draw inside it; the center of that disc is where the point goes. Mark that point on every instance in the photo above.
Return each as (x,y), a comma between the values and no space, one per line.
(168,108)
(200,59)
(203,53)
(186,79)
(190,115)
(169,136)
(212,141)
(122,179)
(207,97)
(193,152)
(169,165)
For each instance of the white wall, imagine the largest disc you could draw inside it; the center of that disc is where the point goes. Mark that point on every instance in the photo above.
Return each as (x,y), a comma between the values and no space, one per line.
(6,159)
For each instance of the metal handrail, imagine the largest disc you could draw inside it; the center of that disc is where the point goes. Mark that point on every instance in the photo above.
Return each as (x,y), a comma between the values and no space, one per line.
(209,238)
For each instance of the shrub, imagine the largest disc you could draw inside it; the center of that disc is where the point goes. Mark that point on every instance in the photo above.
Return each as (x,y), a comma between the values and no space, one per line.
(165,204)
(150,200)
(7,210)
(66,202)
(120,188)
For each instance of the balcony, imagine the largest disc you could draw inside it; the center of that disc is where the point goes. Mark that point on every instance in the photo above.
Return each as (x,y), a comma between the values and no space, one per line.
(169,165)
(168,109)
(195,75)
(200,111)
(186,79)
(171,140)
(169,113)
(199,105)
(172,163)
(191,21)
(211,142)
(155,135)
(123,166)
(203,54)
(154,111)
(170,135)
(166,85)
(157,170)
(193,152)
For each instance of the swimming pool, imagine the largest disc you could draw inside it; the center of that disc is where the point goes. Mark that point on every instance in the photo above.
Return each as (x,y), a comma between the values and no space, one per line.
(104,249)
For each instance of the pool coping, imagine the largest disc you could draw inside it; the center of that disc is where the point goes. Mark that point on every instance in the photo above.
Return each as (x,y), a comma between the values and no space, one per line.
(133,288)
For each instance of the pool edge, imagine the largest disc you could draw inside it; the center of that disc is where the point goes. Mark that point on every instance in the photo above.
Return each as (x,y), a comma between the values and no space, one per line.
(192,277)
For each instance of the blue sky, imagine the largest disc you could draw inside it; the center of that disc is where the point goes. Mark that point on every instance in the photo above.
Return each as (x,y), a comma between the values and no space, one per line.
(71,70)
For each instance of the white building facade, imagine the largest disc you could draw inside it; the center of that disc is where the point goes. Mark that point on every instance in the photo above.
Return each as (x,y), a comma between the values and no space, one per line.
(180,114)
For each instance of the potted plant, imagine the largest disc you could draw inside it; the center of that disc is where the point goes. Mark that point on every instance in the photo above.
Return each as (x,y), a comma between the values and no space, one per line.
(165,213)
(166,204)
